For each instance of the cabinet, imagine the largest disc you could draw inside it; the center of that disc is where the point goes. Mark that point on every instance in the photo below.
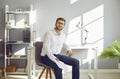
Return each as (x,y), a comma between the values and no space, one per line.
(18,38)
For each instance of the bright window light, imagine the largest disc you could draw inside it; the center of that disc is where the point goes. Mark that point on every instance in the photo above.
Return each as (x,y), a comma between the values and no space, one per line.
(20,52)
(73,36)
(88,29)
(93,21)
(20,23)
(73,1)
(33,17)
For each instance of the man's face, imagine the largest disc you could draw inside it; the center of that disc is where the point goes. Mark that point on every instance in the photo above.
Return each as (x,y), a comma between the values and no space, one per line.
(60,25)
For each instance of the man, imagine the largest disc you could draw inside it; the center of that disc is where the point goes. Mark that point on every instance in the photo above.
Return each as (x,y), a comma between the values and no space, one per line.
(54,41)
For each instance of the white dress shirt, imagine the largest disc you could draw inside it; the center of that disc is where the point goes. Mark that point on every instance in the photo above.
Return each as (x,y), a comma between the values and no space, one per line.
(53,44)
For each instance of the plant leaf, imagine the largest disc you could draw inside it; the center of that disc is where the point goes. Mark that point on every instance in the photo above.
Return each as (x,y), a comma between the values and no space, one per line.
(113,51)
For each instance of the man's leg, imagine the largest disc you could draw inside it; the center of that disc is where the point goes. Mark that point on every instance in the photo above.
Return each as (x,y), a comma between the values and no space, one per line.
(73,62)
(57,70)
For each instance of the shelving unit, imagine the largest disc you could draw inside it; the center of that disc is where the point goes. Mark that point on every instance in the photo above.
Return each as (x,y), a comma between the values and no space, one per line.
(1,57)
(18,38)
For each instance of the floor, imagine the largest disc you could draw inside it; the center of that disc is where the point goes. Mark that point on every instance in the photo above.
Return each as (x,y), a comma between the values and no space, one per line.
(104,74)
(65,76)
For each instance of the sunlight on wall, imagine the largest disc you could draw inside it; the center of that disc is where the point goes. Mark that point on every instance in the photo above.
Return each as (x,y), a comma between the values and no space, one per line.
(22,18)
(73,36)
(93,21)
(20,23)
(73,1)
(20,52)
(38,39)
(30,21)
(33,17)
(88,29)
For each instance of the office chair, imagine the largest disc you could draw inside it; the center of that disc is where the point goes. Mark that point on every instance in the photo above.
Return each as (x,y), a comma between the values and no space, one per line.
(38,48)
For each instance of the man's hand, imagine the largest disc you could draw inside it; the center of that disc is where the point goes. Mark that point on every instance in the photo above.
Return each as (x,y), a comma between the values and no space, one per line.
(69,53)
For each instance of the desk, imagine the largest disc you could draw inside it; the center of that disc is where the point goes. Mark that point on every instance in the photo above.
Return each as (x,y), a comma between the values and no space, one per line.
(89,53)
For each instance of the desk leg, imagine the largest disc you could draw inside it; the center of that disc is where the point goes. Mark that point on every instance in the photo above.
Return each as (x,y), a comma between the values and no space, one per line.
(90,75)
(95,64)
(94,76)
(29,63)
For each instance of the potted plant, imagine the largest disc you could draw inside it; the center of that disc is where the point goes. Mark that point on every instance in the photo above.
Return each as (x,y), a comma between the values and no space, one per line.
(25,23)
(112,51)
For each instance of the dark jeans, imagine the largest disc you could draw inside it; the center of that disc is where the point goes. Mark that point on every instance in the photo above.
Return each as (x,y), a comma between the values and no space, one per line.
(67,60)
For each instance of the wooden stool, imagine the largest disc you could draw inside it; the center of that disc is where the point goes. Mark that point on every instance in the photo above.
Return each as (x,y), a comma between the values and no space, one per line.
(38,48)
(48,72)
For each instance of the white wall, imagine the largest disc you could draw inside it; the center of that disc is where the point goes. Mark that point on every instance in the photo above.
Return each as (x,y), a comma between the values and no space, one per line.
(111,21)
(48,10)
(111,29)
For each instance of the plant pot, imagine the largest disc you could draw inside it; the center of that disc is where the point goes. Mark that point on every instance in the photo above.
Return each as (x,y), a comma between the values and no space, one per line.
(118,65)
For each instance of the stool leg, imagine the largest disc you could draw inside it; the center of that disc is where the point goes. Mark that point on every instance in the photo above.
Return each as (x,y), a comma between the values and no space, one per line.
(42,72)
(47,70)
(50,73)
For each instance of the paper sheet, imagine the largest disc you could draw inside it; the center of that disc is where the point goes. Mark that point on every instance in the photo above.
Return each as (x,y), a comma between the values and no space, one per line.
(63,66)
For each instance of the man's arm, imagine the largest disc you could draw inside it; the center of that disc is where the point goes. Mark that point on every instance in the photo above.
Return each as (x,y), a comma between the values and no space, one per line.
(47,44)
(69,51)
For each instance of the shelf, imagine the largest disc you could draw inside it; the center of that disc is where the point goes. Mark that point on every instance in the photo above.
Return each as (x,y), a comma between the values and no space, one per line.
(20,73)
(16,58)
(17,42)
(15,27)
(17,12)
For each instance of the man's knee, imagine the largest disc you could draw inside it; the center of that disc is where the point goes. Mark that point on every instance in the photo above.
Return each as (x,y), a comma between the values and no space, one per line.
(76,62)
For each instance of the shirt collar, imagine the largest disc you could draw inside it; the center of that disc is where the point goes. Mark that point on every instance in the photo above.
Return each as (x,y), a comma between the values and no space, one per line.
(56,32)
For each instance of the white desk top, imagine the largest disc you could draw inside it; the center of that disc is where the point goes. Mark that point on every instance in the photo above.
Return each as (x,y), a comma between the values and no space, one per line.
(82,47)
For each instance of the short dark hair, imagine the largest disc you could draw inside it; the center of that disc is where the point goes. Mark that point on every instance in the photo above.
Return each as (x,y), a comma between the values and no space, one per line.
(60,18)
